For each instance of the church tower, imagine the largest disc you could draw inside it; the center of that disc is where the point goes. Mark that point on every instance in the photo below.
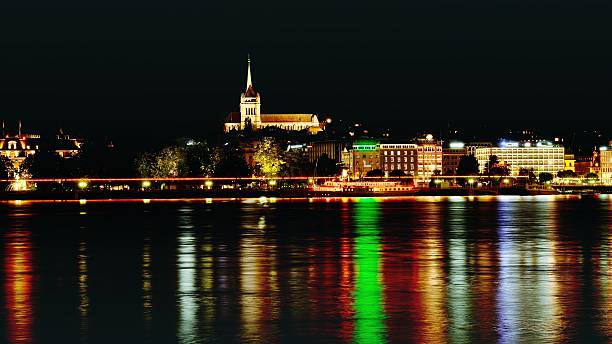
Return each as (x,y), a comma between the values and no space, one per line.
(250,104)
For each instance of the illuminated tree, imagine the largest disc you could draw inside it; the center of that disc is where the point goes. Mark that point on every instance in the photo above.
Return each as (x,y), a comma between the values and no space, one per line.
(268,158)
(169,162)
(6,168)
(592,176)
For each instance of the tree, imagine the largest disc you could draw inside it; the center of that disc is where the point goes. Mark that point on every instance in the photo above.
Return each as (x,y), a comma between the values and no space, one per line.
(145,164)
(492,163)
(169,162)
(592,176)
(468,165)
(375,173)
(297,164)
(327,167)
(228,161)
(545,177)
(397,173)
(7,169)
(43,164)
(527,172)
(566,174)
(268,158)
(199,159)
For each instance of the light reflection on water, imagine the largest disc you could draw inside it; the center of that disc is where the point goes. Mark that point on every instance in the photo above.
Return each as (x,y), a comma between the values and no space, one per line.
(432,269)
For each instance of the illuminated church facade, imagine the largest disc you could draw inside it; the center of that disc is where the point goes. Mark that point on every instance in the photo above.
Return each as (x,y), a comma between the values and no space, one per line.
(250,115)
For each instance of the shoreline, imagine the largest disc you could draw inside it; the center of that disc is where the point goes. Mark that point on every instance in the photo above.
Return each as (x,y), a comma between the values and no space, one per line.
(253,194)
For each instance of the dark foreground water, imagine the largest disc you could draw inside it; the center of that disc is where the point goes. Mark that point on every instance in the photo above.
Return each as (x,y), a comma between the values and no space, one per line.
(428,269)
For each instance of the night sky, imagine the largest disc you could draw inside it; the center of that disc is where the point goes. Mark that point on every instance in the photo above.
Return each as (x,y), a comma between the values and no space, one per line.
(156,62)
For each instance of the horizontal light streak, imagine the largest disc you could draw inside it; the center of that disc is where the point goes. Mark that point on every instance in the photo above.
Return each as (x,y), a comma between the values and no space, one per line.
(204,179)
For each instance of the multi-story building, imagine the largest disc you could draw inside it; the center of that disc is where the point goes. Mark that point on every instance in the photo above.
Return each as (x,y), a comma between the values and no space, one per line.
(540,157)
(429,153)
(332,148)
(18,146)
(398,156)
(470,147)
(362,157)
(605,160)
(451,156)
(569,162)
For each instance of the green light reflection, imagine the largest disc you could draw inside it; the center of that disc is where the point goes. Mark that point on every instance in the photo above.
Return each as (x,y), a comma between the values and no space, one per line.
(368,298)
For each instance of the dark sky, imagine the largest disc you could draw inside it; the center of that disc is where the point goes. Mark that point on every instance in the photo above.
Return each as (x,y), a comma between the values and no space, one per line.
(176,60)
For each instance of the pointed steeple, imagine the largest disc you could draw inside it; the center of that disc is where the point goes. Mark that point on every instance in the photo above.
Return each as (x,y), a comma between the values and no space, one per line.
(249,82)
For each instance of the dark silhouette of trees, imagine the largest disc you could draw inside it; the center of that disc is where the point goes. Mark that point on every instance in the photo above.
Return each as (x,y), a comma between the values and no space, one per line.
(545,177)
(375,173)
(326,167)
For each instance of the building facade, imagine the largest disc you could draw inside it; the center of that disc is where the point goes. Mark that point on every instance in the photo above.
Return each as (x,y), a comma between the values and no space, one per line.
(570,162)
(18,146)
(429,152)
(363,156)
(605,160)
(398,156)
(250,116)
(332,148)
(541,157)
(451,156)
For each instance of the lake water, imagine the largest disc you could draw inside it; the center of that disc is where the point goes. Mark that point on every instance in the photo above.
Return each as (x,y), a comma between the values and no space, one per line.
(505,269)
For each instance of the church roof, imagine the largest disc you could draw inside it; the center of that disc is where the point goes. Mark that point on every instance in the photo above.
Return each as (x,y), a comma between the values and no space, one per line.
(250,92)
(233,117)
(277,118)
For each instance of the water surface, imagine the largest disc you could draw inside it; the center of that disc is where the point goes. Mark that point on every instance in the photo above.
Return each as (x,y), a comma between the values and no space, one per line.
(505,269)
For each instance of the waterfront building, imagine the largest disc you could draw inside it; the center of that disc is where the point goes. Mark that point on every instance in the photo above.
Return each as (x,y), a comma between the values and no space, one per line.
(250,116)
(470,147)
(398,156)
(542,156)
(332,148)
(569,162)
(429,153)
(451,156)
(363,156)
(583,164)
(605,160)
(18,146)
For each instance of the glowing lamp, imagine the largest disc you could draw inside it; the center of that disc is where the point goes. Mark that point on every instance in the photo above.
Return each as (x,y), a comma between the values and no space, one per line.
(429,137)
(146,184)
(437,181)
(470,181)
(208,183)
(329,120)
(506,180)
(82,184)
(272,182)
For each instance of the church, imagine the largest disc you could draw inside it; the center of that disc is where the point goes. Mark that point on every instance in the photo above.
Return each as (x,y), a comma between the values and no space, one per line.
(250,114)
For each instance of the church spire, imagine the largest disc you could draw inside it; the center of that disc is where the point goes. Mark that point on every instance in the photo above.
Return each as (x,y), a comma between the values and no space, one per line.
(249,82)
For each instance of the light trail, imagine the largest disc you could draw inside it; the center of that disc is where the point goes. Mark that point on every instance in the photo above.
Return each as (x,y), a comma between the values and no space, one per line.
(204,179)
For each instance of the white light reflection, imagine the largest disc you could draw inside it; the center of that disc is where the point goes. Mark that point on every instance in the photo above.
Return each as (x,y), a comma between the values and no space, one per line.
(186,266)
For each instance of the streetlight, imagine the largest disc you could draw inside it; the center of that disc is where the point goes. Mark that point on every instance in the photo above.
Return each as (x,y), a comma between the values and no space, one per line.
(82,184)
